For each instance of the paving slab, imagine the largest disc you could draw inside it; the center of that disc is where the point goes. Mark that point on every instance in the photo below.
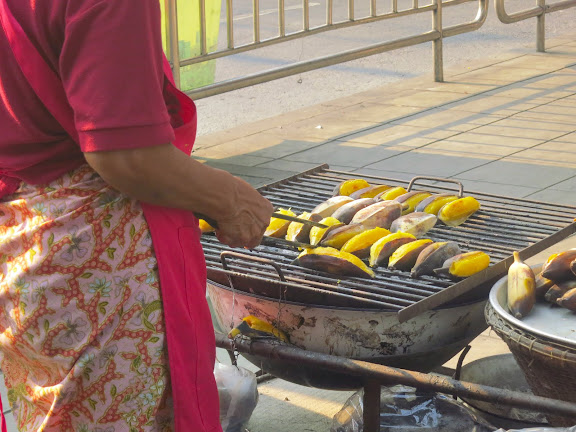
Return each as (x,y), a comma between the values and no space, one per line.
(431,164)
(354,155)
(388,173)
(293,166)
(521,128)
(263,144)
(566,185)
(256,176)
(445,119)
(542,155)
(553,196)
(520,174)
(525,93)
(321,128)
(496,105)
(480,137)
(399,134)
(515,191)
(459,148)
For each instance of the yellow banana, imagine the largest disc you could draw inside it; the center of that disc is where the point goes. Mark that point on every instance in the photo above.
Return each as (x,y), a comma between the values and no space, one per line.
(348,187)
(255,328)
(317,233)
(464,265)
(279,227)
(360,244)
(411,200)
(391,193)
(382,249)
(521,288)
(406,255)
(457,212)
(434,203)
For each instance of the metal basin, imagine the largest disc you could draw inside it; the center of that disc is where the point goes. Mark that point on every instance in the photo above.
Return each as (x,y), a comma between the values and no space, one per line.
(501,371)
(421,344)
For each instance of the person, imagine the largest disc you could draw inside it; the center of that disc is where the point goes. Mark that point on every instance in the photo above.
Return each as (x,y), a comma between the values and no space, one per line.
(104,324)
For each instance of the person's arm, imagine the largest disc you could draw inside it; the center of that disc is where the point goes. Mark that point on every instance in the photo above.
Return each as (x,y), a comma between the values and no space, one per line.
(111,69)
(163,175)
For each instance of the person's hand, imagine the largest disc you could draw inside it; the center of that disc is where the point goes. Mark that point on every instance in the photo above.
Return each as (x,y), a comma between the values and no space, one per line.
(247,219)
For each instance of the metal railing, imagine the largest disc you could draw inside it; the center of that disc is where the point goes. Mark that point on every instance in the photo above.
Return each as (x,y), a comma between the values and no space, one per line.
(435,35)
(539,11)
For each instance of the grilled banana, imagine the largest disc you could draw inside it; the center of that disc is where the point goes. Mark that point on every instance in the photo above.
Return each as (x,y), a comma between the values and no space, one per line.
(385,247)
(416,224)
(457,212)
(360,244)
(568,300)
(391,193)
(279,227)
(558,290)
(328,207)
(255,328)
(336,237)
(411,199)
(348,187)
(380,214)
(542,286)
(557,267)
(434,203)
(299,232)
(464,265)
(433,256)
(406,255)
(521,288)
(205,227)
(370,191)
(345,213)
(317,233)
(333,261)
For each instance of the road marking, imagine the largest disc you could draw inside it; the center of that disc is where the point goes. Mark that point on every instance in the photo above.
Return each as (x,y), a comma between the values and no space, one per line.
(268,12)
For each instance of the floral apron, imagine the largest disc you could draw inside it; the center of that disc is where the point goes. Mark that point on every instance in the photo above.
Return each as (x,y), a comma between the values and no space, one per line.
(175,238)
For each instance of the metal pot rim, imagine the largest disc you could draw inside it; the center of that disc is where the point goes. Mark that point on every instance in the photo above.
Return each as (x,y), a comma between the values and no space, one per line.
(309,305)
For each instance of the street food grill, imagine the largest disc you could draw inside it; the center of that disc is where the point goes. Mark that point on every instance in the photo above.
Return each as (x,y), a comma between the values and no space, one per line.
(363,317)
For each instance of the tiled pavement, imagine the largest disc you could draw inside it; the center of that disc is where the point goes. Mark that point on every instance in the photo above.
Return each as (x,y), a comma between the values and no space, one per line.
(506,125)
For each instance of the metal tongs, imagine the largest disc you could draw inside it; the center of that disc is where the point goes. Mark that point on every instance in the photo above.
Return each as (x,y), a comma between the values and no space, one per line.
(296,219)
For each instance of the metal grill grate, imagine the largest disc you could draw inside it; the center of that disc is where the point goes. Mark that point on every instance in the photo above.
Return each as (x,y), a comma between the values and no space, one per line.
(501,226)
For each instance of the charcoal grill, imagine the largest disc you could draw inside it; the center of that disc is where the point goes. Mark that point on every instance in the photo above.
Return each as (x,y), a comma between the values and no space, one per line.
(267,283)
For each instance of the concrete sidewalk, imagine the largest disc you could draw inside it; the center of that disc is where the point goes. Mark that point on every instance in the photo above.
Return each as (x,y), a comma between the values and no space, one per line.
(505,126)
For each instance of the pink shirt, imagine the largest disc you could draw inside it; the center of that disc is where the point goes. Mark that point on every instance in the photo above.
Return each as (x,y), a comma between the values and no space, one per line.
(114,84)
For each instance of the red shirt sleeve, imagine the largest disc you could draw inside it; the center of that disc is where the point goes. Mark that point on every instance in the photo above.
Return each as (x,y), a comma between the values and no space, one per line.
(111,67)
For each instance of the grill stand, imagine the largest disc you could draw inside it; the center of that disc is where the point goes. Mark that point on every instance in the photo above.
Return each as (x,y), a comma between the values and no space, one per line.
(373,376)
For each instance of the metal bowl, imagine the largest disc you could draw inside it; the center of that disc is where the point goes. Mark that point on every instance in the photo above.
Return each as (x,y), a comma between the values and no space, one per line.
(421,344)
(501,371)
(545,320)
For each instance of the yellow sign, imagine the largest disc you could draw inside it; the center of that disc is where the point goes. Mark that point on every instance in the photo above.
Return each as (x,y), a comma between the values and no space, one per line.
(189,43)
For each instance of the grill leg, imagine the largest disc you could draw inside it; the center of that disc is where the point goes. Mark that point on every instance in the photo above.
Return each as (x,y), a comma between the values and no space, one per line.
(371,413)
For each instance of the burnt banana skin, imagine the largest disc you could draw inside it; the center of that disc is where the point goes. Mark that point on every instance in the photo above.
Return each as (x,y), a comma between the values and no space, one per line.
(433,256)
(557,267)
(568,300)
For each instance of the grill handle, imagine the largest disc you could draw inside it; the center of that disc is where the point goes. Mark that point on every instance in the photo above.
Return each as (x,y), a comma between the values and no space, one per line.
(439,179)
(230,254)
